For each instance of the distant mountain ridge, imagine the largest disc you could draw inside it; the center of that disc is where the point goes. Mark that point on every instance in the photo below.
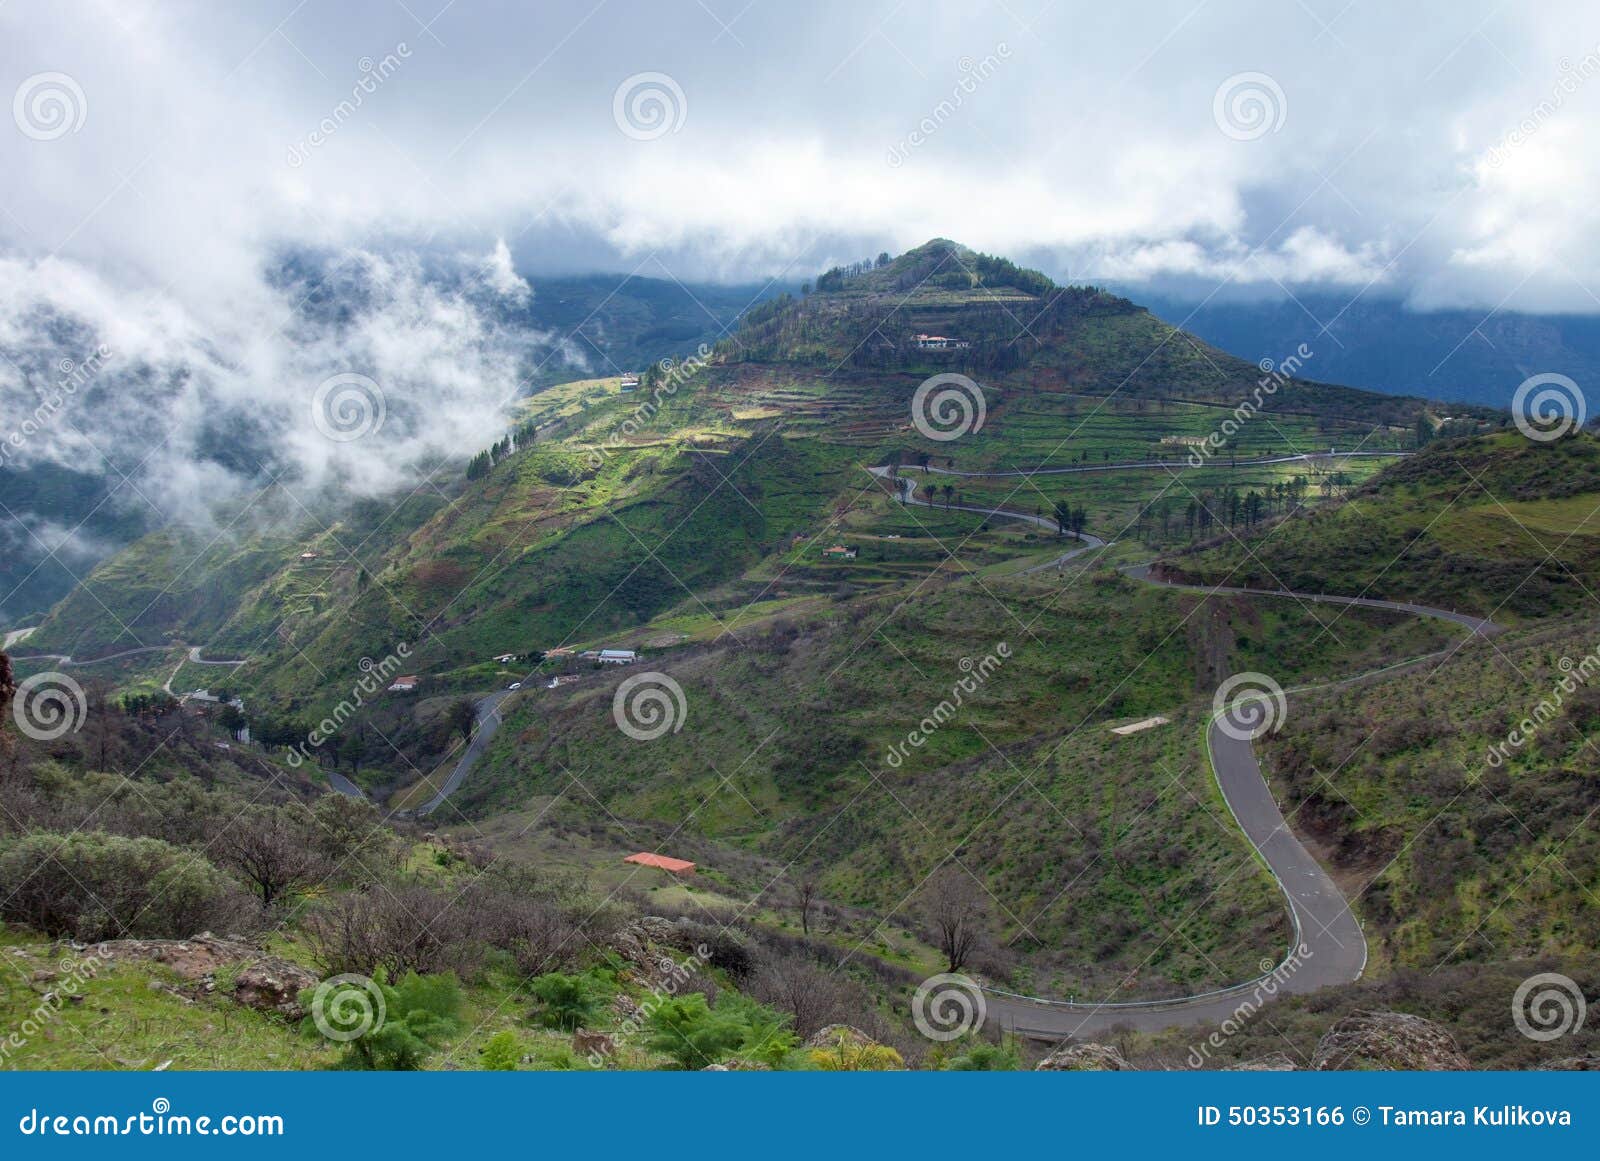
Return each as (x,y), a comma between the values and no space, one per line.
(1469,356)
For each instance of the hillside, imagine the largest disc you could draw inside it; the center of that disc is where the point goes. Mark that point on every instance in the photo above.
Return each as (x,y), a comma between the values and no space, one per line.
(1501,526)
(719,517)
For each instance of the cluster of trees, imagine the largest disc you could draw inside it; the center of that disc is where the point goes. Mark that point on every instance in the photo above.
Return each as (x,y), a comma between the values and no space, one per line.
(157,704)
(483,463)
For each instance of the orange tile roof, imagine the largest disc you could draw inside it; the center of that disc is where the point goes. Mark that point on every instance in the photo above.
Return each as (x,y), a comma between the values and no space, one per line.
(646,859)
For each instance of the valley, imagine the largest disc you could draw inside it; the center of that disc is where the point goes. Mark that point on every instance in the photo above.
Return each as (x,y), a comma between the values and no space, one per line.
(810,567)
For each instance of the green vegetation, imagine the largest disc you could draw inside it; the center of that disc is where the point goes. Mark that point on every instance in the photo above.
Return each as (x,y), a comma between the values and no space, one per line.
(1500,526)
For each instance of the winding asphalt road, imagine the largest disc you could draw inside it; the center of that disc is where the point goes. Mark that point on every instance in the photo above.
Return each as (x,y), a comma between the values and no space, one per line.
(1328,946)
(1178,465)
(488,722)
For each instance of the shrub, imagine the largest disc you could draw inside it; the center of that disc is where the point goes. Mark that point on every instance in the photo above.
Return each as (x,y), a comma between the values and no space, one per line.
(691,1033)
(503,1052)
(93,886)
(567,1002)
(417,1013)
(694,1034)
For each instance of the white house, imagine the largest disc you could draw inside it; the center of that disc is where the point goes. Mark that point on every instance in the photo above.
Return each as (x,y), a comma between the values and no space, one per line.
(940,343)
(618,657)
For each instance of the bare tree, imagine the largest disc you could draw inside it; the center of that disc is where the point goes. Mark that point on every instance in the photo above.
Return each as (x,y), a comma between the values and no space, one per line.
(271,853)
(805,891)
(955,905)
(813,996)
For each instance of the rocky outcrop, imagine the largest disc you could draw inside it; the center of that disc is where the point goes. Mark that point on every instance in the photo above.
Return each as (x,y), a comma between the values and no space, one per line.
(1388,1041)
(737,1065)
(271,984)
(1084,1058)
(1573,1064)
(835,1035)
(1271,1062)
(267,983)
(191,959)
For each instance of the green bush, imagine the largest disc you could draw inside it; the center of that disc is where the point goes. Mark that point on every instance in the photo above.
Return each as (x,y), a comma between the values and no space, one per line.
(92,886)
(694,1034)
(397,1035)
(503,1052)
(567,1002)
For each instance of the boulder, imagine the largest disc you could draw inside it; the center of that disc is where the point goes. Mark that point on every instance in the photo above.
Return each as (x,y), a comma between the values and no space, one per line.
(192,959)
(1084,1058)
(267,983)
(737,1065)
(1271,1062)
(1388,1042)
(586,1043)
(272,984)
(1573,1064)
(835,1035)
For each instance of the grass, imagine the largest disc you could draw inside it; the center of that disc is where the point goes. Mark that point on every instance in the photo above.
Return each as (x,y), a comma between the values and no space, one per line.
(1444,528)
(783,755)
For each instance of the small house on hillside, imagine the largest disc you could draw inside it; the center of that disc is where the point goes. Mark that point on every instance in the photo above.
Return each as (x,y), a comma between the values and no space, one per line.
(940,343)
(675,866)
(839,552)
(404,684)
(617,657)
